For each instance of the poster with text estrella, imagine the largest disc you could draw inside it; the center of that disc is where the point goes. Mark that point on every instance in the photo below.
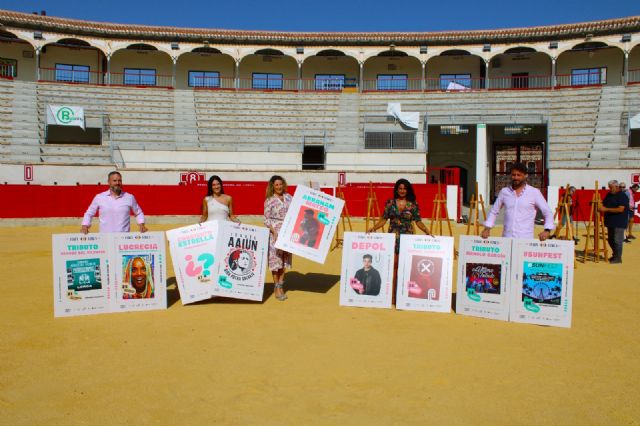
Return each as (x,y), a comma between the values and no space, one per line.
(80,274)
(139,269)
(425,273)
(311,221)
(193,251)
(483,277)
(366,278)
(542,282)
(243,251)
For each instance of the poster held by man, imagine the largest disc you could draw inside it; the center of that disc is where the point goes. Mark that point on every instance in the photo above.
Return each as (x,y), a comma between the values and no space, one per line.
(366,278)
(310,224)
(542,282)
(425,273)
(483,277)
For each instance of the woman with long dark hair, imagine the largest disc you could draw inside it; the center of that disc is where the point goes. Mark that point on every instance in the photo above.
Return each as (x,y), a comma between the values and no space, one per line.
(217,205)
(276,204)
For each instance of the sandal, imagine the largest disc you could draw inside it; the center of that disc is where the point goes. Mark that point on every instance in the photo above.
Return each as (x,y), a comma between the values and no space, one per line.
(282,297)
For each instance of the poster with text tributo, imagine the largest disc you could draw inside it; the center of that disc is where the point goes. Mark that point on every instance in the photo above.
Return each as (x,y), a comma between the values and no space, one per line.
(243,251)
(193,252)
(542,282)
(483,277)
(139,269)
(366,278)
(80,274)
(425,273)
(310,223)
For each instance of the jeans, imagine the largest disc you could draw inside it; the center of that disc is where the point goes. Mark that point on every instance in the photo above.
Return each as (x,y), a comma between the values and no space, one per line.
(616,241)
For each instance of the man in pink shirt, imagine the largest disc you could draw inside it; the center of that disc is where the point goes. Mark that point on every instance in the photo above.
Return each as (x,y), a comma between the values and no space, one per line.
(520,202)
(115,207)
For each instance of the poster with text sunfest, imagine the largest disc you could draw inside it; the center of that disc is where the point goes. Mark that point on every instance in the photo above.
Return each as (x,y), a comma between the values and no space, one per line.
(310,223)
(425,273)
(366,278)
(193,253)
(483,277)
(542,282)
(139,271)
(80,274)
(243,251)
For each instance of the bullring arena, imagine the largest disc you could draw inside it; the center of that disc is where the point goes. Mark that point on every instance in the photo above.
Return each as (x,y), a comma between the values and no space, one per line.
(168,107)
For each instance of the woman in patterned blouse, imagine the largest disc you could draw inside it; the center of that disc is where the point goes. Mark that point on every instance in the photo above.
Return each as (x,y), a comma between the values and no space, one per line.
(402,212)
(276,205)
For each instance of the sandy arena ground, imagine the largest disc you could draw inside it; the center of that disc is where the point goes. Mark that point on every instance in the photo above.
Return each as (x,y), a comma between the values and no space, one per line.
(308,360)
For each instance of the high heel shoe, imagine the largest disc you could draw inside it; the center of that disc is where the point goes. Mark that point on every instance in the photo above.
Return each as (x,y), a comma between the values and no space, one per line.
(283,296)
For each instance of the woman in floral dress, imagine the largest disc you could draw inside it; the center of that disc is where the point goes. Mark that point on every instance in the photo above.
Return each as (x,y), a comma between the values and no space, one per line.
(276,205)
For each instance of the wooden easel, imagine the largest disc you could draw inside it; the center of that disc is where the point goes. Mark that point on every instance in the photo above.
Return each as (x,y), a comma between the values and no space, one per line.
(439,213)
(373,209)
(475,204)
(563,212)
(345,220)
(596,230)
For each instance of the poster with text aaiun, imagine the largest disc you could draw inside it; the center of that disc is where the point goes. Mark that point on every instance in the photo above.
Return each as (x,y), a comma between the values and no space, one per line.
(542,282)
(366,278)
(139,270)
(483,277)
(81,274)
(310,224)
(195,262)
(425,273)
(243,251)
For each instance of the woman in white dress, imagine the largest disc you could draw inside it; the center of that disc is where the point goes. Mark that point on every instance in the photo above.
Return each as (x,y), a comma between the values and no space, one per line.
(217,205)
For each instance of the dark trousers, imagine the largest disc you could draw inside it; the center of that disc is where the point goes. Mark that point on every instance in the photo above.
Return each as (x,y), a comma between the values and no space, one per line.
(616,241)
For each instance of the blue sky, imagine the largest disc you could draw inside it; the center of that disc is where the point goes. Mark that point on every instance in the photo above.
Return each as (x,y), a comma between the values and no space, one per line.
(331,15)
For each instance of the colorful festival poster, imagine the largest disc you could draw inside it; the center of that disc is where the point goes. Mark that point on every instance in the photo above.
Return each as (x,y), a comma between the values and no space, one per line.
(243,251)
(425,273)
(195,262)
(310,223)
(483,277)
(139,271)
(80,274)
(367,270)
(542,282)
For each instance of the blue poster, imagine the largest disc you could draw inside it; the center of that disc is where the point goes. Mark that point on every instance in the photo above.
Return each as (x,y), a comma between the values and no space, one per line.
(542,282)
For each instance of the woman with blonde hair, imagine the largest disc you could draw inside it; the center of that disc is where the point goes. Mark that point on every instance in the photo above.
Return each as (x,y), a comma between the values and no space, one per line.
(276,204)
(138,279)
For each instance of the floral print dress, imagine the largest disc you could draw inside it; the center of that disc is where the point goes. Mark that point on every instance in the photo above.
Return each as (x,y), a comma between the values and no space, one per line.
(275,210)
(401,221)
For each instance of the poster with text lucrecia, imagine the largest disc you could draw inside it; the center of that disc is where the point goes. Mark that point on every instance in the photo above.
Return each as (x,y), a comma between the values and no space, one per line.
(542,282)
(243,251)
(80,274)
(366,278)
(139,271)
(483,277)
(193,251)
(310,223)
(425,273)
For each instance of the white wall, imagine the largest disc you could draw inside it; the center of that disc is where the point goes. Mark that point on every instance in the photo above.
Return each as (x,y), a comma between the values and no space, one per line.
(26,66)
(587,178)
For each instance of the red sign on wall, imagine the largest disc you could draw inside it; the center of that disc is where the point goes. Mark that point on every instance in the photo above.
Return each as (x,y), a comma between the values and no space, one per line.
(192,178)
(28,173)
(635,178)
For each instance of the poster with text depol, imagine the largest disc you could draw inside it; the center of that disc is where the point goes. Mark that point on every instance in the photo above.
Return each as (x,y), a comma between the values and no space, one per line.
(542,282)
(425,273)
(243,251)
(310,223)
(483,288)
(80,274)
(139,271)
(366,278)
(193,253)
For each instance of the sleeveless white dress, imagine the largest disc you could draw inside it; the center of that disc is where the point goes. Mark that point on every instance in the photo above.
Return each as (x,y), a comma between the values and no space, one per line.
(216,210)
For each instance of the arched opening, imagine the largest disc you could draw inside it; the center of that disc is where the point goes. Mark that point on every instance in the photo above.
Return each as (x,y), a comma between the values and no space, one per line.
(17,57)
(329,70)
(392,70)
(520,68)
(205,67)
(590,64)
(268,69)
(633,74)
(455,70)
(72,60)
(141,65)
